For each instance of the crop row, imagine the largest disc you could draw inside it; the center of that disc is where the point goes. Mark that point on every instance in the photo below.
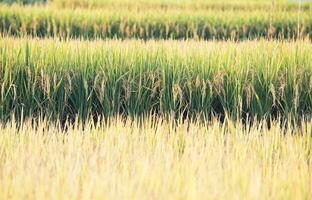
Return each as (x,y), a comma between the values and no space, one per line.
(148,158)
(153,24)
(169,4)
(154,158)
(61,79)
(186,4)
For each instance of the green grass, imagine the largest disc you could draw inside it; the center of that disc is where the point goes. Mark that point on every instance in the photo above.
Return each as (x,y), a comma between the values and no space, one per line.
(185,4)
(166,4)
(60,79)
(154,23)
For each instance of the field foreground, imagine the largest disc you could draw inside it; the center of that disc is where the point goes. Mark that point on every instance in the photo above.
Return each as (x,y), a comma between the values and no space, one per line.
(155,159)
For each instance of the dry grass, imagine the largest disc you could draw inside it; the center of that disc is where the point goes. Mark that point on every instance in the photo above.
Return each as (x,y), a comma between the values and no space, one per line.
(155,160)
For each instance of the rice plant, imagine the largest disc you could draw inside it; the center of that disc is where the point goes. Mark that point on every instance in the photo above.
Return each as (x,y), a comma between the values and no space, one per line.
(183,4)
(61,79)
(48,21)
(155,159)
(155,99)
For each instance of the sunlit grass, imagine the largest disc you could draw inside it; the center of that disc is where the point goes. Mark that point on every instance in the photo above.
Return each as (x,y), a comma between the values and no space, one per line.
(155,159)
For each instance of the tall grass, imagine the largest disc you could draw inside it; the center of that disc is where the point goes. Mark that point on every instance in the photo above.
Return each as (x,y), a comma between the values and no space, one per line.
(153,24)
(185,4)
(168,4)
(155,159)
(61,79)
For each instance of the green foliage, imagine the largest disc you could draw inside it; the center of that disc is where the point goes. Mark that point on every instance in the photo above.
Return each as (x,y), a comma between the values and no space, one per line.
(184,4)
(64,79)
(153,24)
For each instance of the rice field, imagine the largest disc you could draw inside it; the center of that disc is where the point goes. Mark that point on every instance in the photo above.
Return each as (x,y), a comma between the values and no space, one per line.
(186,4)
(166,99)
(161,23)
(68,78)
(155,159)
